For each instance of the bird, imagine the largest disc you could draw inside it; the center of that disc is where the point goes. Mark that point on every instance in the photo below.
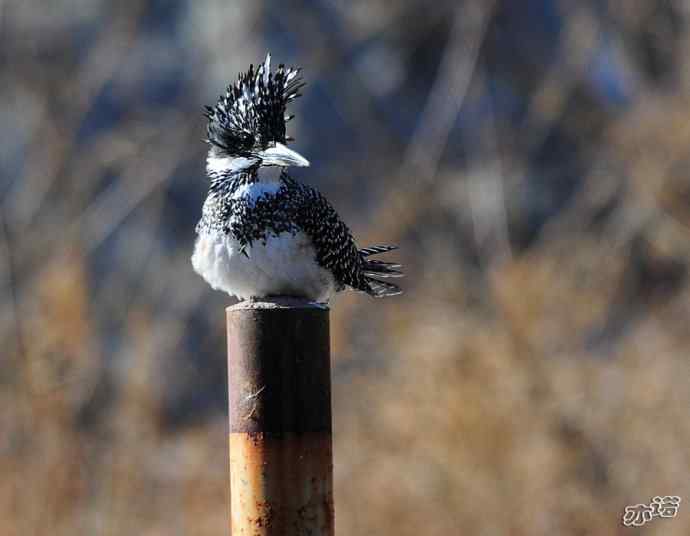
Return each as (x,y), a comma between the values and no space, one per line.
(263,233)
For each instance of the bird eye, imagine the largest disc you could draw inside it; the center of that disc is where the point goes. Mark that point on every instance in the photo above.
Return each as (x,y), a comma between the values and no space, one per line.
(236,141)
(246,140)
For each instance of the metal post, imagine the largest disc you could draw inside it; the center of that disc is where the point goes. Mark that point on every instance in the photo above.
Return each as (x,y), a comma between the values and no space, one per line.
(279,386)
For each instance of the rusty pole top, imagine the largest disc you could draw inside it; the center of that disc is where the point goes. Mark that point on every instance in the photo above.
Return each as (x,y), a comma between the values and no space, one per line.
(279,395)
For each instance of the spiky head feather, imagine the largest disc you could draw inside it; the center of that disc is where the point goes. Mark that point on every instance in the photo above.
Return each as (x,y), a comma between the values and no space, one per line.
(251,115)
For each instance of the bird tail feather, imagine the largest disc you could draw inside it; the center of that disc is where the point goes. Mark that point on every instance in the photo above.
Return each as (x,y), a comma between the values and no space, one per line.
(374,268)
(382,289)
(375,250)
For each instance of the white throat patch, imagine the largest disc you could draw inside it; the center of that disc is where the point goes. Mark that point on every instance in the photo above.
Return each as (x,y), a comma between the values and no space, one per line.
(217,165)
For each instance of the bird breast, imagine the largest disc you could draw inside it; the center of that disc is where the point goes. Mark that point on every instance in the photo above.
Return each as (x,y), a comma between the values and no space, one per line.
(284,265)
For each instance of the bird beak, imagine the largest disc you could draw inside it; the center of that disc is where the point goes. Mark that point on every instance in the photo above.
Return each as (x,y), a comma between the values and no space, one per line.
(280,155)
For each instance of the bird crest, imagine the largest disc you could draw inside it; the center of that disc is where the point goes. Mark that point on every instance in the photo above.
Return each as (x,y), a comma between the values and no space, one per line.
(252,113)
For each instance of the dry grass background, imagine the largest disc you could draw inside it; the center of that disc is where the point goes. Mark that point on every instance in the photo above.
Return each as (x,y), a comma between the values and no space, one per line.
(531,159)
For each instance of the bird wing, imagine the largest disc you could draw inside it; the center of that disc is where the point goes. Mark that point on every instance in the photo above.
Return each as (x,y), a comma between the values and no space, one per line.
(335,248)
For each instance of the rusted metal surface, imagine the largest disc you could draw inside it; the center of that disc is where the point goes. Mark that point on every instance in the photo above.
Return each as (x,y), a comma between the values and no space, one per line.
(281,485)
(281,461)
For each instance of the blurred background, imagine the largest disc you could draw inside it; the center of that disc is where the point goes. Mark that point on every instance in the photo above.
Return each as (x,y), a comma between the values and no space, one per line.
(531,158)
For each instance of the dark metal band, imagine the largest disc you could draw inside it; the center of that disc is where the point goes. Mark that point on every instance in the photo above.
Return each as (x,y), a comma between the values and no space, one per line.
(279,370)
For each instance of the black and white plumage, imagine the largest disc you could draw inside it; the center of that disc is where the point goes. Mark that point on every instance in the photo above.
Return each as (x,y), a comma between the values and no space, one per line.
(262,233)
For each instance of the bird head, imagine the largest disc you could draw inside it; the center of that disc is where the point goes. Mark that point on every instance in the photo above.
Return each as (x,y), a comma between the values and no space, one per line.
(246,128)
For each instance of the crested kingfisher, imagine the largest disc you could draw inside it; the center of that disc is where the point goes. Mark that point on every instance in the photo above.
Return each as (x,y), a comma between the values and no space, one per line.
(262,233)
